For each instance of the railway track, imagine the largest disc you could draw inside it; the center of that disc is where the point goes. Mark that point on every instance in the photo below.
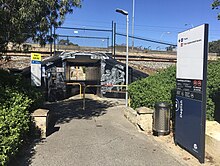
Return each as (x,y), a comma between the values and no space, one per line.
(146,58)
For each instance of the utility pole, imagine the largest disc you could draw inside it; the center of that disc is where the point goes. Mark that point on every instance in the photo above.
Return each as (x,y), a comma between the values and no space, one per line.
(112,38)
(54,40)
(51,42)
(51,33)
(133,24)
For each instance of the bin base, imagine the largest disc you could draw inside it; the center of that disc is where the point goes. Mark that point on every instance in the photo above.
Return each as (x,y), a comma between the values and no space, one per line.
(157,133)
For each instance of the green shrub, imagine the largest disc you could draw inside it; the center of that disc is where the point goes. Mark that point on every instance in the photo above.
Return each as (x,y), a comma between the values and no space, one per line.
(22,85)
(14,122)
(157,87)
(17,98)
(161,87)
(210,107)
(213,89)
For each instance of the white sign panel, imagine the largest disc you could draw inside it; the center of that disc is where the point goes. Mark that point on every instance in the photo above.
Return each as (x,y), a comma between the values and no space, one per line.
(35,69)
(190,52)
(36,74)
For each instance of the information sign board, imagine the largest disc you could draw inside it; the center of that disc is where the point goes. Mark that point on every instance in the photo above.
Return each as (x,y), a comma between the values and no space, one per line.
(35,69)
(35,57)
(191,90)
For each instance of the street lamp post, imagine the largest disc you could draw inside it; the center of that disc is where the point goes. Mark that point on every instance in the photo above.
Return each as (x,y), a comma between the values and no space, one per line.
(126,79)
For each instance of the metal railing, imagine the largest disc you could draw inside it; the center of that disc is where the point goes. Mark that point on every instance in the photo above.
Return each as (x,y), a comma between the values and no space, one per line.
(80,87)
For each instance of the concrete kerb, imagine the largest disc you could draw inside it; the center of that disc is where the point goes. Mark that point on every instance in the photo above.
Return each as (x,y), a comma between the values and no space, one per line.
(131,115)
(141,117)
(213,139)
(145,118)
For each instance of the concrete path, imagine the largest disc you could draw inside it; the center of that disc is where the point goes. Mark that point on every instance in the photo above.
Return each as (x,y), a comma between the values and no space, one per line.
(99,136)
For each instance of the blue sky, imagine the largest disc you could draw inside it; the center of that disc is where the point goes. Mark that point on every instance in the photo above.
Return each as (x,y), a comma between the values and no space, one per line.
(154,19)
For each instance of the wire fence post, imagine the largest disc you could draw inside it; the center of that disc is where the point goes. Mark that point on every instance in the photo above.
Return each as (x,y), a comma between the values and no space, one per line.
(114,38)
(108,43)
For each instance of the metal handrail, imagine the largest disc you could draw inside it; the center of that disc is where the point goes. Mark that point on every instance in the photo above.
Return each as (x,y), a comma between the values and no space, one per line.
(84,91)
(80,87)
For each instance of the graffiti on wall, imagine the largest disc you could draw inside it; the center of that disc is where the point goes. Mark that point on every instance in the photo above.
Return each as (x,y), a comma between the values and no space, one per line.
(112,75)
(55,83)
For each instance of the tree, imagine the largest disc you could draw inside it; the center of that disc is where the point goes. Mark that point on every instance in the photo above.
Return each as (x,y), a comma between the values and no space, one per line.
(215,5)
(24,19)
(170,48)
(66,42)
(214,46)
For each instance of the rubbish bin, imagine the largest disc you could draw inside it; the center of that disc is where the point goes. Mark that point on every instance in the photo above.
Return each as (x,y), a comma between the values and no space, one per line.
(161,119)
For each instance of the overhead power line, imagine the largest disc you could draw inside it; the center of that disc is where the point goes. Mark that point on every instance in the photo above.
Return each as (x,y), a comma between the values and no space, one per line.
(87,37)
(148,40)
(88,29)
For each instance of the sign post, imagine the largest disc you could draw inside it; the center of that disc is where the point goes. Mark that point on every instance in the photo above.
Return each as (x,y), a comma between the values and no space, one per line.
(192,53)
(35,69)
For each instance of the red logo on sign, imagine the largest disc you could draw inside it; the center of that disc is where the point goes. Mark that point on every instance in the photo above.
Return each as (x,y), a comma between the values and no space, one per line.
(194,82)
(199,83)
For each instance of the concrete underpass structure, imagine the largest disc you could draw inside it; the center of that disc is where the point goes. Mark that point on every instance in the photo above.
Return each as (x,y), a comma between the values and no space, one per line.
(70,72)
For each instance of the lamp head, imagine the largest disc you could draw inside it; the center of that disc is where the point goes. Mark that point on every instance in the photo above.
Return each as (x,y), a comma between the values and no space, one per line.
(122,11)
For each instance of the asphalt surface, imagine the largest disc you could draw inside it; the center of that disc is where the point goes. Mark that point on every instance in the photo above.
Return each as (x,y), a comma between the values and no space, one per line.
(98,136)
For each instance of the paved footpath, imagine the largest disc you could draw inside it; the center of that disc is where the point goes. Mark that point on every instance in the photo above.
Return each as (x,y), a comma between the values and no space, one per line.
(99,136)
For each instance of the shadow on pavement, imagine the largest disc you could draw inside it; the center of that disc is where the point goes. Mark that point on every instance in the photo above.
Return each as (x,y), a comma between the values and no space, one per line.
(26,153)
(62,112)
(67,110)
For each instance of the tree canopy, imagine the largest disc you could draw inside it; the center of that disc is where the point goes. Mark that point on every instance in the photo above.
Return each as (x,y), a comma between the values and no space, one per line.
(215,5)
(24,19)
(66,42)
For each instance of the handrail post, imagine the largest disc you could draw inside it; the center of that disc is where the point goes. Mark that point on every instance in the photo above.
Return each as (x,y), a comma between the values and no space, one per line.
(80,87)
(84,100)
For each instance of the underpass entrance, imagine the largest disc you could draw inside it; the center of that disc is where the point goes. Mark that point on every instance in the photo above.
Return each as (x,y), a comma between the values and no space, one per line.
(69,73)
